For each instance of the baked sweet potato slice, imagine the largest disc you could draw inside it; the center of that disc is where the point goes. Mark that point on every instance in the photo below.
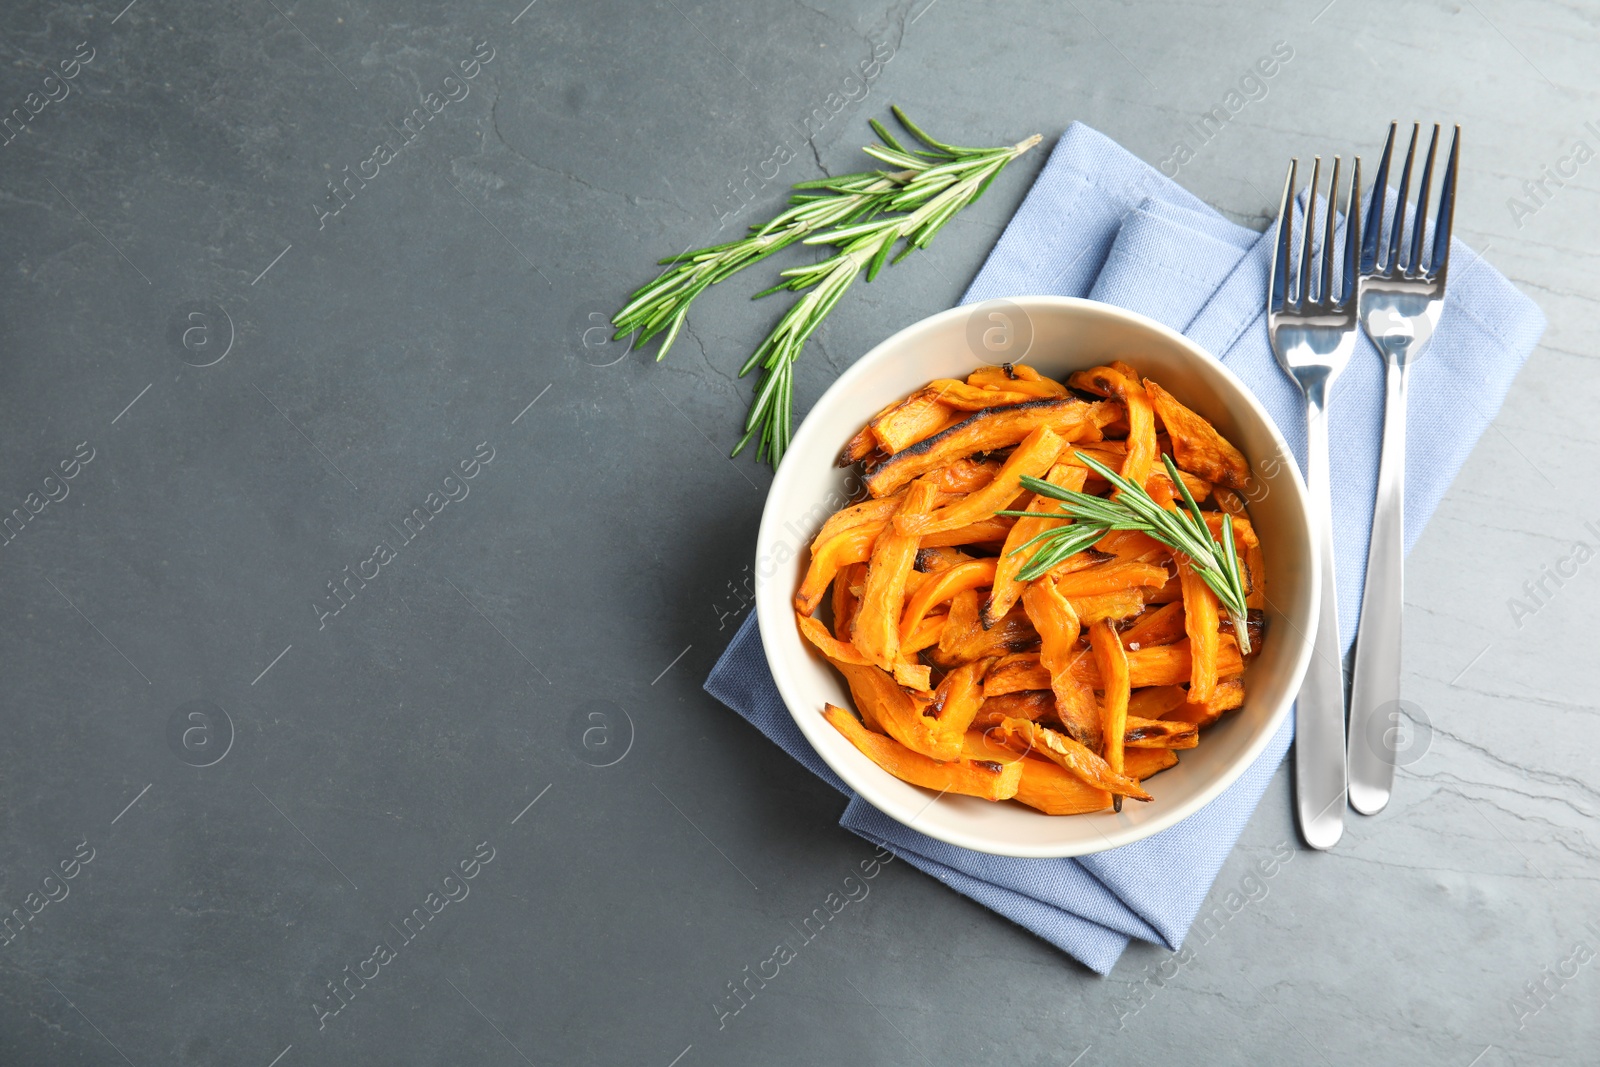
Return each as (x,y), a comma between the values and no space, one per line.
(1133,546)
(1200,623)
(989,779)
(1255,569)
(915,580)
(1016,377)
(871,513)
(960,628)
(987,744)
(1196,445)
(934,560)
(1109,380)
(866,513)
(1080,561)
(1120,381)
(1144,762)
(875,630)
(926,635)
(1255,625)
(1112,662)
(857,448)
(1138,733)
(1110,577)
(1229,501)
(957,700)
(857,576)
(829,645)
(1171,593)
(1114,606)
(985,532)
(1159,733)
(1032,704)
(1068,417)
(1006,589)
(889,707)
(966,475)
(1161,489)
(1016,673)
(1109,452)
(1059,628)
(1228,695)
(1032,458)
(941,587)
(918,416)
(1244,532)
(963,396)
(965,639)
(1154,701)
(1161,625)
(864,444)
(1157,484)
(1249,547)
(1162,665)
(1055,790)
(1077,710)
(1070,755)
(838,552)
(1056,622)
(913,676)
(845,600)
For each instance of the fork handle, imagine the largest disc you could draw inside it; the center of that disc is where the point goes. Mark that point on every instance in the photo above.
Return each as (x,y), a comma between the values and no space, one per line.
(1375,690)
(1319,709)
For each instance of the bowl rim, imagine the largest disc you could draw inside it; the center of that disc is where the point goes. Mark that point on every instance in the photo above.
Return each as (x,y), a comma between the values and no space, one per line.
(773,611)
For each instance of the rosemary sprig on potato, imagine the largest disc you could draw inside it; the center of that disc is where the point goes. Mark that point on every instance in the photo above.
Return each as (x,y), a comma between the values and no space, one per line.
(1217,563)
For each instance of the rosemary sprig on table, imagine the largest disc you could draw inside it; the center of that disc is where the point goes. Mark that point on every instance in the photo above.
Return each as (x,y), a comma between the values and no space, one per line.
(864,215)
(930,198)
(664,303)
(1181,530)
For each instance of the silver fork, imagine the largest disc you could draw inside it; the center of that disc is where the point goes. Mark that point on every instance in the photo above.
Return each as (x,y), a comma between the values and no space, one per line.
(1400,301)
(1313,334)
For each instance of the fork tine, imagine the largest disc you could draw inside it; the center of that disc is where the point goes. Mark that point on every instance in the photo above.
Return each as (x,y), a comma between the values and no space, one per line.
(1308,227)
(1278,290)
(1398,223)
(1325,292)
(1447,210)
(1419,224)
(1352,234)
(1380,195)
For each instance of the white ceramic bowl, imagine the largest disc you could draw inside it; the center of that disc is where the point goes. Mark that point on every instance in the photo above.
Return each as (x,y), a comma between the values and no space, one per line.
(1066,335)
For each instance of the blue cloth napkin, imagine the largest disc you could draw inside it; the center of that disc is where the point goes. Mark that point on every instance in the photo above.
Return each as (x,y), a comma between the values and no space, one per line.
(1100,223)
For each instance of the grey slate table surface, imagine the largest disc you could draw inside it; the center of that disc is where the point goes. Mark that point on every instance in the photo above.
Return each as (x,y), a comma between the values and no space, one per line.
(265,389)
